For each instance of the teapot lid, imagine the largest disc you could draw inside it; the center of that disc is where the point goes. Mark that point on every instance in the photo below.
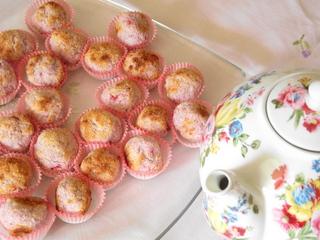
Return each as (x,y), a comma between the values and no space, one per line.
(293,109)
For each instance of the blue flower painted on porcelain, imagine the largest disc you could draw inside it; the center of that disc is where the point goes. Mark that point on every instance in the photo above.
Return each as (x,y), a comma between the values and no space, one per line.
(235,129)
(229,217)
(239,92)
(316,165)
(304,194)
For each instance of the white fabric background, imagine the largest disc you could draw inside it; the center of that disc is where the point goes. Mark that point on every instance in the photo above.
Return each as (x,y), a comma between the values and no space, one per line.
(255,35)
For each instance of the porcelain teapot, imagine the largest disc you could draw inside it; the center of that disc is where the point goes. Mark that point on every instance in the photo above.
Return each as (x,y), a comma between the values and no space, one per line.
(260,160)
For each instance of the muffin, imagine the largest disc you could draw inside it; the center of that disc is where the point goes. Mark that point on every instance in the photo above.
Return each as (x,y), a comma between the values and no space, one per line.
(99,125)
(133,28)
(101,165)
(103,56)
(67,44)
(8,79)
(153,118)
(49,16)
(16,132)
(56,148)
(183,84)
(122,96)
(143,154)
(73,195)
(44,69)
(189,119)
(22,215)
(15,44)
(143,64)
(15,174)
(44,105)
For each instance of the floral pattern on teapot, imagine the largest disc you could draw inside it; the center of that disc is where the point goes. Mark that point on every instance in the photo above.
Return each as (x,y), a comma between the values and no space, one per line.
(299,214)
(294,97)
(225,126)
(228,222)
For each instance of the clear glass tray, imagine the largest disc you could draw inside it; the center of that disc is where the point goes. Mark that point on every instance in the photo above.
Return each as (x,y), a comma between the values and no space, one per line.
(135,209)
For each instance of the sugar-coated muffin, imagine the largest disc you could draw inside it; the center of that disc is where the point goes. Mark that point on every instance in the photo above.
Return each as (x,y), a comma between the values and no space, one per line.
(103,56)
(67,44)
(100,125)
(101,165)
(190,119)
(153,118)
(44,105)
(122,96)
(183,84)
(49,16)
(8,79)
(143,64)
(15,174)
(73,195)
(22,215)
(143,153)
(44,70)
(132,28)
(16,131)
(55,148)
(15,44)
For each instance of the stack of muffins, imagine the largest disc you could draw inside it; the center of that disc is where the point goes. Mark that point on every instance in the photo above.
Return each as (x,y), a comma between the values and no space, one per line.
(128,131)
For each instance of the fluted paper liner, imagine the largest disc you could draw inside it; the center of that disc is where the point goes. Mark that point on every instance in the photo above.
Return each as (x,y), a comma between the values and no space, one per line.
(36,4)
(97,200)
(22,71)
(166,153)
(113,149)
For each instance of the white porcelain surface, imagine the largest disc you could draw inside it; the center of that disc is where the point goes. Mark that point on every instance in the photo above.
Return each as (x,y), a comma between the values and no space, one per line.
(136,209)
(284,179)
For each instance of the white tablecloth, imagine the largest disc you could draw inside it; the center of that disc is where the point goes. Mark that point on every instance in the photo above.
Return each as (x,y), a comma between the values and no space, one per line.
(255,35)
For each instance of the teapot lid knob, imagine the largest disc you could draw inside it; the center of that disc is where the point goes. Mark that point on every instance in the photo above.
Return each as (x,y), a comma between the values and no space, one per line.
(313,98)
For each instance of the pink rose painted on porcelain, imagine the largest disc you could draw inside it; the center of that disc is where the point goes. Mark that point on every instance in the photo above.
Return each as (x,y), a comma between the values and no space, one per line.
(293,96)
(315,223)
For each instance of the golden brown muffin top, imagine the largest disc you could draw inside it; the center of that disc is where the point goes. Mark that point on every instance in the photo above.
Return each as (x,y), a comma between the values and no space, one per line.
(100,164)
(153,118)
(18,119)
(187,75)
(14,44)
(45,61)
(97,124)
(139,62)
(51,13)
(15,174)
(103,54)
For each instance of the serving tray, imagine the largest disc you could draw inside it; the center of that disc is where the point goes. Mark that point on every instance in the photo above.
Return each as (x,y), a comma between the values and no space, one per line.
(135,209)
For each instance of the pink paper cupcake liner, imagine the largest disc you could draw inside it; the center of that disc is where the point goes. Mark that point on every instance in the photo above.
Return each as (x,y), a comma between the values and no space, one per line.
(55,171)
(10,96)
(103,75)
(65,114)
(187,142)
(90,147)
(36,4)
(36,176)
(161,103)
(165,150)
(83,141)
(101,88)
(170,69)
(97,194)
(150,84)
(151,36)
(70,67)
(21,71)
(6,149)
(39,233)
